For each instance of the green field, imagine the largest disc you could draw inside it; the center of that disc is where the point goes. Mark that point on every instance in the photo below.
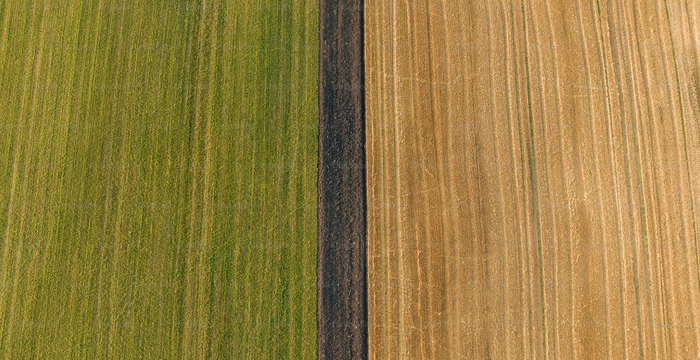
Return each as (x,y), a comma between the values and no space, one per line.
(158,179)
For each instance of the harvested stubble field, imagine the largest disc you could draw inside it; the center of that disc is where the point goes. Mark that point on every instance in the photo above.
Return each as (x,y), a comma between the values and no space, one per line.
(533,187)
(158,179)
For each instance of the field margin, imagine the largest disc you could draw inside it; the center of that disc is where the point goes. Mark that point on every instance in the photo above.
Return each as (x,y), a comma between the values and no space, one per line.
(342,216)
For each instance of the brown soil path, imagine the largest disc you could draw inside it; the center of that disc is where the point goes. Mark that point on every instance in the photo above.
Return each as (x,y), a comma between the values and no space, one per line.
(533,187)
(342,243)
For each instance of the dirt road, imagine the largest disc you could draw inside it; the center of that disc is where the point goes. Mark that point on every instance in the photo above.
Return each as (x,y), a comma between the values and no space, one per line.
(533,179)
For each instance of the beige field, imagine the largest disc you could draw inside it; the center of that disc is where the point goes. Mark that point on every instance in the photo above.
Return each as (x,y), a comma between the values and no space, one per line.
(533,179)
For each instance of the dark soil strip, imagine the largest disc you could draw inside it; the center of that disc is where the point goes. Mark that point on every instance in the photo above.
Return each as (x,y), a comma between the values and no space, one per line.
(342,278)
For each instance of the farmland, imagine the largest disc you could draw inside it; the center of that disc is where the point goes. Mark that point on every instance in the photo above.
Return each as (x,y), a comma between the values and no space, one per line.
(533,188)
(158,179)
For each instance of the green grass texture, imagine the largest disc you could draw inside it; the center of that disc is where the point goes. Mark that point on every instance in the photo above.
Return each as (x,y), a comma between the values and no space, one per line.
(158,168)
